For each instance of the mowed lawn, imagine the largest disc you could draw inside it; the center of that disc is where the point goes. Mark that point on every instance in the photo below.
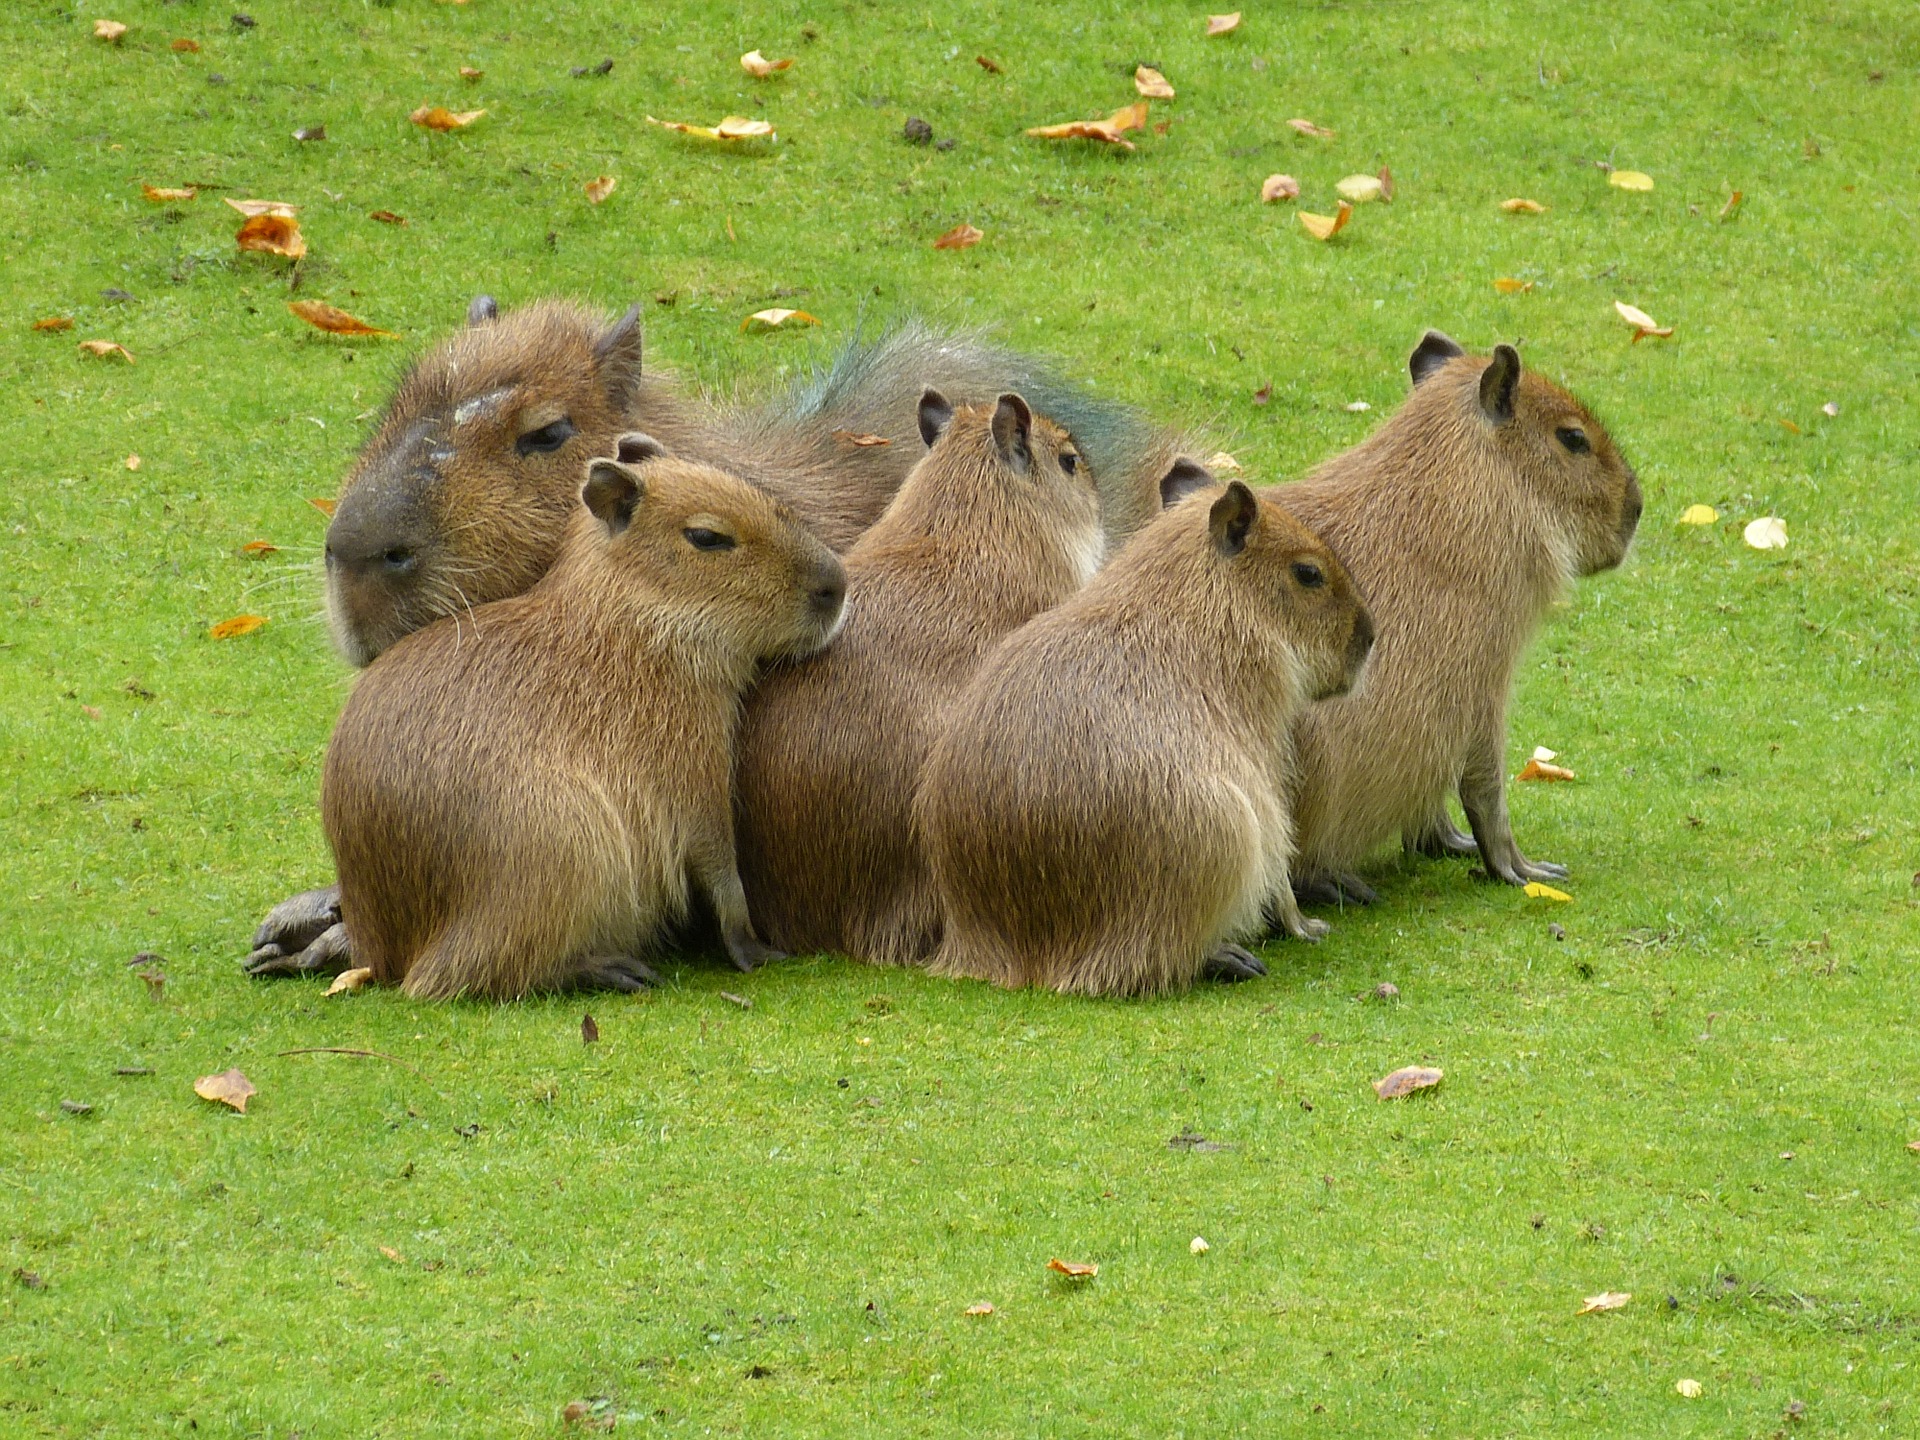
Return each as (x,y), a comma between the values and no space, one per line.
(770,1220)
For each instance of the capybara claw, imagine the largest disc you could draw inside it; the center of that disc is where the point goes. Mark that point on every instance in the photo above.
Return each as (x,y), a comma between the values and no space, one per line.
(1232,964)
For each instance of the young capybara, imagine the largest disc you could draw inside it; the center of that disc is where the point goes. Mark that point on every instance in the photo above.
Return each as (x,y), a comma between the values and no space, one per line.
(520,798)
(1105,812)
(997,523)
(1462,519)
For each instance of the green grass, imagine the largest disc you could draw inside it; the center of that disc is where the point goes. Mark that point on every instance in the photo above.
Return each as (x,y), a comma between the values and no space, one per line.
(768,1221)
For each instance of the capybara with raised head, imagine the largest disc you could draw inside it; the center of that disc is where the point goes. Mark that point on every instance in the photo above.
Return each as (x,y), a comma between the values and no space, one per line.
(997,523)
(1105,812)
(520,799)
(1462,519)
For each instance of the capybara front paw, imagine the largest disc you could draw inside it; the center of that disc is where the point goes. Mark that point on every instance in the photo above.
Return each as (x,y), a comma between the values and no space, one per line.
(329,953)
(618,972)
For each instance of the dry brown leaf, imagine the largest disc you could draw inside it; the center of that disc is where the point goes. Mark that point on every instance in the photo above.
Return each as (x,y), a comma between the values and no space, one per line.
(238,625)
(734,127)
(104,348)
(132,462)
(1152,84)
(1307,127)
(156,979)
(161,195)
(979,1307)
(1523,207)
(438,117)
(758,66)
(1112,130)
(1325,227)
(54,322)
(229,1087)
(1223,24)
(1732,207)
(386,217)
(1073,1270)
(92,712)
(589,1030)
(185,46)
(992,67)
(600,187)
(256,548)
(333,320)
(1914,1145)
(1386,184)
(1643,323)
(251,208)
(773,319)
(960,237)
(1406,1080)
(847,437)
(1507,285)
(109,31)
(348,981)
(1629,180)
(1605,1300)
(325,507)
(467,72)
(1279,187)
(272,235)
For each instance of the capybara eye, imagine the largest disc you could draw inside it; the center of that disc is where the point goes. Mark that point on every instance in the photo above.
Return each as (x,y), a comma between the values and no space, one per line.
(547,439)
(1069,461)
(707,539)
(1310,575)
(1574,438)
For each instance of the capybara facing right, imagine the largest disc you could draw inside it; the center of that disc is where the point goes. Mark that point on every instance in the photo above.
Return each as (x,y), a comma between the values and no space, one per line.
(1105,811)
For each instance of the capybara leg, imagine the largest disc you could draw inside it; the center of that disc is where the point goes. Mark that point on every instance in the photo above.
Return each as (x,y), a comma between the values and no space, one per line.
(1317,889)
(1230,963)
(295,937)
(329,954)
(1483,795)
(721,881)
(1286,913)
(616,972)
(1438,838)
(1354,890)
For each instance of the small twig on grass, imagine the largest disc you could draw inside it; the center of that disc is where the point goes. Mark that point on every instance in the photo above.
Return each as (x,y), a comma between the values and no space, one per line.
(343,1050)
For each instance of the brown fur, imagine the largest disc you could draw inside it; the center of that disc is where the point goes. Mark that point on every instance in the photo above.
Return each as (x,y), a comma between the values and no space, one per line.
(520,799)
(1107,808)
(978,541)
(1462,524)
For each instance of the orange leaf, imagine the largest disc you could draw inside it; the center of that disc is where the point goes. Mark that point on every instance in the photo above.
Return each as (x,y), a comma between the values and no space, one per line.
(772,319)
(386,217)
(1279,187)
(259,547)
(272,234)
(992,67)
(1405,1081)
(229,1087)
(758,66)
(238,625)
(325,507)
(185,46)
(1732,207)
(251,208)
(1325,227)
(979,1307)
(600,187)
(323,316)
(1308,128)
(1523,207)
(1111,130)
(1507,285)
(1605,1300)
(438,117)
(1073,1270)
(734,127)
(1541,770)
(1223,24)
(1152,84)
(849,438)
(109,31)
(160,195)
(959,238)
(54,322)
(467,72)
(104,348)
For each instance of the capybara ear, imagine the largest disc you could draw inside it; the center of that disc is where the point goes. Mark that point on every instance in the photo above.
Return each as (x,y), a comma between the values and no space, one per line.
(636,447)
(1185,476)
(1436,347)
(1498,382)
(935,415)
(1013,430)
(1232,518)
(483,309)
(611,492)
(616,356)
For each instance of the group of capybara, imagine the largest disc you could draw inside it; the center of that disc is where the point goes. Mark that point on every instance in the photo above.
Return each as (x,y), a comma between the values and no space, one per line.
(937,660)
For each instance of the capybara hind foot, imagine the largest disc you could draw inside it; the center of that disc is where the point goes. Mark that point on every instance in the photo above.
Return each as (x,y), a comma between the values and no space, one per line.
(616,972)
(1440,838)
(297,937)
(1339,888)
(1232,964)
(747,953)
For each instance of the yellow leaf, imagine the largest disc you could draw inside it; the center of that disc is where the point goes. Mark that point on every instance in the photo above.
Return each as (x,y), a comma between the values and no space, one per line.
(1605,1300)
(160,195)
(1279,187)
(229,1087)
(1790,427)
(348,981)
(1406,1080)
(1519,206)
(1325,227)
(273,235)
(959,238)
(1360,189)
(772,319)
(1198,1245)
(1629,180)
(1537,769)
(600,187)
(979,1307)
(438,117)
(392,1254)
(109,31)
(1766,533)
(1308,128)
(104,348)
(334,321)
(1699,515)
(1507,285)
(251,208)
(758,66)
(1643,323)
(1536,891)
(734,127)
(132,462)
(467,72)
(1112,130)
(1224,463)
(1690,1389)
(238,625)
(1223,24)
(1152,84)
(1073,1270)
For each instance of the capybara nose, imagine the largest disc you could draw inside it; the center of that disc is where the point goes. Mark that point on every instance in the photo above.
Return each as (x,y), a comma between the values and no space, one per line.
(374,542)
(829,593)
(1361,645)
(1630,512)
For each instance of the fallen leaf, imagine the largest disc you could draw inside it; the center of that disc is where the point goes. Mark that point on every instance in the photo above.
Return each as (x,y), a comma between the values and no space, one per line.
(1263,394)
(1534,890)
(979,1307)
(185,46)
(438,117)
(238,625)
(1385,990)
(772,319)
(1691,1389)
(92,712)
(1360,189)
(590,1414)
(1406,1080)
(1223,24)
(1198,1245)
(1307,127)
(1325,227)
(1386,184)
(1605,1300)
(310,132)
(325,507)
(392,1254)
(960,237)
(109,31)
(348,981)
(1073,1270)
(162,195)
(1220,460)
(255,548)
(1541,752)
(589,1030)
(1831,410)
(273,235)
(1541,770)
(732,999)
(132,462)
(1766,533)
(54,322)
(156,983)
(1790,427)
(1357,407)
(1507,285)
(1151,83)
(76,1107)
(992,67)
(1279,187)
(467,72)
(229,1087)
(29,1279)
(734,127)
(600,187)
(1699,515)
(1732,207)
(1629,180)
(104,348)
(1643,323)
(758,66)
(848,437)
(334,321)
(251,208)
(1914,1145)
(1112,130)
(386,217)
(1519,206)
